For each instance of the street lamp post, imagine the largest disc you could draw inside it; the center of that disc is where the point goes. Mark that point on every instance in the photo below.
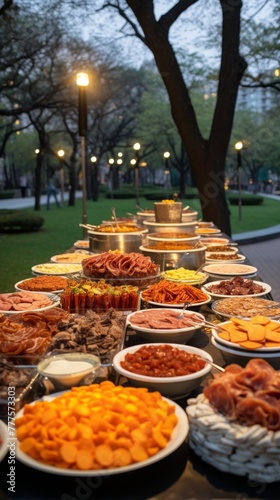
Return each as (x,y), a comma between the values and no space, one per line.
(136,148)
(166,156)
(238,148)
(82,83)
(60,154)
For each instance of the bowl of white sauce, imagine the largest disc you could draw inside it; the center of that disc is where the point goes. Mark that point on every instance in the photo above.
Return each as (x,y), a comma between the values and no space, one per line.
(69,369)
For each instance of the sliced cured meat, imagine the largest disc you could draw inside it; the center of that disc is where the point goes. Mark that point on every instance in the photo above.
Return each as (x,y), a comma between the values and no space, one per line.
(114,264)
(29,332)
(249,395)
(163,320)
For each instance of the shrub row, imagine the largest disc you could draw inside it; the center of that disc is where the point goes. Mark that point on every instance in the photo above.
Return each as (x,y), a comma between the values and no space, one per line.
(19,221)
(6,195)
(245,199)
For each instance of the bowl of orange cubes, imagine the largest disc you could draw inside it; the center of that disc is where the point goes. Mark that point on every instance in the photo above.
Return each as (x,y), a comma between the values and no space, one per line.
(240,339)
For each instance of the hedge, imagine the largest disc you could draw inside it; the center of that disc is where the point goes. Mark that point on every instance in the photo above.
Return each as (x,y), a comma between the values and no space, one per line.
(245,199)
(19,221)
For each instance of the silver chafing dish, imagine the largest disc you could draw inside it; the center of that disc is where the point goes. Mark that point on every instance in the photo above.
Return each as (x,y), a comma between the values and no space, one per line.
(191,258)
(116,236)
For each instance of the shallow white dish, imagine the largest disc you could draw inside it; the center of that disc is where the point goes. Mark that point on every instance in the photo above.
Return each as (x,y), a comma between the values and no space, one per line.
(196,304)
(241,357)
(4,439)
(245,307)
(234,345)
(69,258)
(217,240)
(179,435)
(55,302)
(229,269)
(172,387)
(56,269)
(170,275)
(82,244)
(206,288)
(207,231)
(240,258)
(176,336)
(18,287)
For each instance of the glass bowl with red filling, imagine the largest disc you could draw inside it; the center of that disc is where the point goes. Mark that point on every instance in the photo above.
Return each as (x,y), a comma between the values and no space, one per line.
(173,370)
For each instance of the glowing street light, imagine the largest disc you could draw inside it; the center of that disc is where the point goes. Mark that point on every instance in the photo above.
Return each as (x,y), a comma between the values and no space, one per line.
(60,154)
(238,147)
(82,81)
(166,155)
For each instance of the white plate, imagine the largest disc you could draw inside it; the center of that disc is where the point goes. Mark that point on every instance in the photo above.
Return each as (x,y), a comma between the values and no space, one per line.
(245,307)
(179,435)
(56,269)
(74,258)
(240,258)
(216,240)
(206,288)
(207,231)
(82,244)
(235,345)
(53,297)
(18,287)
(196,304)
(4,439)
(229,269)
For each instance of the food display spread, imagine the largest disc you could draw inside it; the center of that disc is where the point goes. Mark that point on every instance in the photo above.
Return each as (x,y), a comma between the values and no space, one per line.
(104,300)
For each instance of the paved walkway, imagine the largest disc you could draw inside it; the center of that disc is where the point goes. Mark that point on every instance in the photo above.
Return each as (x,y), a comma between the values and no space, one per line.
(261,247)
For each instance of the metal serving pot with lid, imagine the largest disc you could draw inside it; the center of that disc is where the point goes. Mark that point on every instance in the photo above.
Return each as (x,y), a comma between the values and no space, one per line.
(111,237)
(179,227)
(191,258)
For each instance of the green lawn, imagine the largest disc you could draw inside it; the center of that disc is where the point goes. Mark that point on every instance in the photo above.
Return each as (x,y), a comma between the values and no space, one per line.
(19,252)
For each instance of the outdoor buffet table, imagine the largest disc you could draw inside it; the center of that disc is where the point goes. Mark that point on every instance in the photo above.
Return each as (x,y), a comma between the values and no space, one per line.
(182,475)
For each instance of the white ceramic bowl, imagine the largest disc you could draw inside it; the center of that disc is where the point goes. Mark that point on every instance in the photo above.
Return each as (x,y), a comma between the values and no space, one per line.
(68,369)
(172,387)
(176,336)
(240,357)
(189,215)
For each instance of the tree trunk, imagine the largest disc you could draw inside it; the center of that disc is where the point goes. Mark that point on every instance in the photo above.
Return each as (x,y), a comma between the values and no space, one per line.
(207,157)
